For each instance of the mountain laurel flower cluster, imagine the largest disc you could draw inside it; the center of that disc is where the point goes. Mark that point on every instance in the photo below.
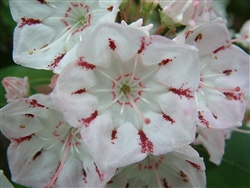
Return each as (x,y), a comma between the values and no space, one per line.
(126,103)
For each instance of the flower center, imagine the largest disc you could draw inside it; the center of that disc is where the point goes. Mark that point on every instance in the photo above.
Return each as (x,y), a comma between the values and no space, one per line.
(132,87)
(125,88)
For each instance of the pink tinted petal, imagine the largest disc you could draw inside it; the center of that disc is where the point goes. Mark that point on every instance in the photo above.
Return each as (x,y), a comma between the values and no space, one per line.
(182,62)
(107,38)
(200,36)
(22,117)
(180,168)
(26,161)
(214,142)
(115,142)
(15,88)
(235,74)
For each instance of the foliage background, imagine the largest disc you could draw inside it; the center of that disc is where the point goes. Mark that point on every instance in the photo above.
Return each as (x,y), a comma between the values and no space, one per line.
(235,168)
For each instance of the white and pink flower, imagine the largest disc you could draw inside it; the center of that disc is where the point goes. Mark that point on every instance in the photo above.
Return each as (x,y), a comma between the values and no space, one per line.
(181,168)
(42,141)
(47,31)
(224,69)
(131,94)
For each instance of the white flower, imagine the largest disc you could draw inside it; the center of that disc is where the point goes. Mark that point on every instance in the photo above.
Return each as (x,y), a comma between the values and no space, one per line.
(180,168)
(45,150)
(224,73)
(48,30)
(15,88)
(131,94)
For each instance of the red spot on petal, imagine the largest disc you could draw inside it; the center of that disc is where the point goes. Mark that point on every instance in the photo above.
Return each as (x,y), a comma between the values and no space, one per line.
(168,118)
(98,172)
(144,44)
(165,61)
(188,33)
(196,166)
(215,116)
(146,144)
(84,65)
(184,176)
(221,48)
(28,115)
(56,61)
(202,120)
(84,175)
(234,96)
(227,72)
(198,37)
(37,154)
(21,139)
(80,91)
(87,121)
(113,135)
(110,8)
(29,21)
(42,1)
(33,103)
(165,183)
(112,44)
(181,92)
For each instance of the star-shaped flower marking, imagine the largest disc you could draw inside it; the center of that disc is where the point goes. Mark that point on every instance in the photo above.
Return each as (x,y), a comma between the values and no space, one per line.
(131,94)
(46,36)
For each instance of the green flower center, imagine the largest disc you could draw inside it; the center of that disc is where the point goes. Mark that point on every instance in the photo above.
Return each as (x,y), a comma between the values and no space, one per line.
(125,88)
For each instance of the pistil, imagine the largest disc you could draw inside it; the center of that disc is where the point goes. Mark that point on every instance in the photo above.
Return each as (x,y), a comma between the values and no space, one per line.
(139,113)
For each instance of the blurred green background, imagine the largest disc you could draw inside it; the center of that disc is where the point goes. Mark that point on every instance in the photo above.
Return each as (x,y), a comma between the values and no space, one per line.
(235,168)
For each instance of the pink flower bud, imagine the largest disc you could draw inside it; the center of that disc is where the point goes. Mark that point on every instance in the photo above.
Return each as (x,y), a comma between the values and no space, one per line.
(15,88)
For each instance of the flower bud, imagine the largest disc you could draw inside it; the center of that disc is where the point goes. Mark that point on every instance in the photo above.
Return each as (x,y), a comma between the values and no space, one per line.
(15,88)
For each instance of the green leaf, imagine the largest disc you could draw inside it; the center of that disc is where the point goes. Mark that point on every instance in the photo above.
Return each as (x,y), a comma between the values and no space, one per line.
(234,170)
(36,78)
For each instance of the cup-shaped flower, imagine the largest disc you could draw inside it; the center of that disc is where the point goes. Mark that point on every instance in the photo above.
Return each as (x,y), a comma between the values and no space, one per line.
(42,141)
(15,88)
(180,168)
(224,76)
(45,36)
(131,94)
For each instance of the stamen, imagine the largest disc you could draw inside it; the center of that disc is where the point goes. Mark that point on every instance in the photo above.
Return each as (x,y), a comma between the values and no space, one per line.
(203,67)
(133,75)
(197,103)
(156,173)
(109,77)
(237,89)
(55,42)
(61,164)
(102,90)
(145,120)
(239,39)
(241,131)
(146,76)
(210,75)
(114,101)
